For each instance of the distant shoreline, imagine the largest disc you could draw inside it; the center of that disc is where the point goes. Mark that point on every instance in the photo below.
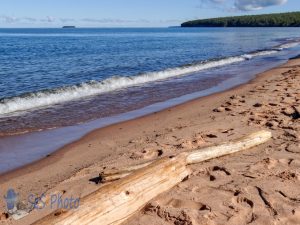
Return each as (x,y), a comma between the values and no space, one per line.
(68,27)
(291,19)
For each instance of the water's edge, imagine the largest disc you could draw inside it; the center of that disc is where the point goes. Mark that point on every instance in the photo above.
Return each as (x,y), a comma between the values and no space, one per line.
(24,149)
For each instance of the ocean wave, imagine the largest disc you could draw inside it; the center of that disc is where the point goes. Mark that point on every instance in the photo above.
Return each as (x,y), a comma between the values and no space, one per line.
(259,53)
(60,95)
(289,45)
(65,94)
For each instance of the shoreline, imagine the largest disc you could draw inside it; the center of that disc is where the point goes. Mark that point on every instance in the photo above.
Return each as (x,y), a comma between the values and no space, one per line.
(193,124)
(55,155)
(41,144)
(16,121)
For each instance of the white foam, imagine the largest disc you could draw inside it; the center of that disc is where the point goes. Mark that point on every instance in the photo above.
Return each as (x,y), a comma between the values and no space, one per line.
(289,45)
(61,95)
(259,53)
(248,56)
(46,98)
(262,53)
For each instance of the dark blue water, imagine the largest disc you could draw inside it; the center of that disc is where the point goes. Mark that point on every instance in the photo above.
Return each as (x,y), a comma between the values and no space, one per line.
(38,59)
(109,71)
(77,80)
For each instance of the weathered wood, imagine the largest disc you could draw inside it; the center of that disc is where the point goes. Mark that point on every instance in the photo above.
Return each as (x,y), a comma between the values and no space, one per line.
(200,155)
(116,174)
(244,143)
(116,202)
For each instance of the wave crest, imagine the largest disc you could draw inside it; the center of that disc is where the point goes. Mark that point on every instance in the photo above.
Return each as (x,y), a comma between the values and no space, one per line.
(61,95)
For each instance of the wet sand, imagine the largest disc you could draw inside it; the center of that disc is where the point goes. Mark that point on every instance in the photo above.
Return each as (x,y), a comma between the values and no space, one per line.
(257,186)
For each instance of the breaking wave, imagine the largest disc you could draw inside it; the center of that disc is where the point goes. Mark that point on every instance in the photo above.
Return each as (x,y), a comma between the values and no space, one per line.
(64,94)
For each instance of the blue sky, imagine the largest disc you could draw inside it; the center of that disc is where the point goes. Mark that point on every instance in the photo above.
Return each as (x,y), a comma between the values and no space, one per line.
(129,13)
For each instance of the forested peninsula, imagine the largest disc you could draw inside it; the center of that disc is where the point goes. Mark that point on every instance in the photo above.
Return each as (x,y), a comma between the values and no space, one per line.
(291,19)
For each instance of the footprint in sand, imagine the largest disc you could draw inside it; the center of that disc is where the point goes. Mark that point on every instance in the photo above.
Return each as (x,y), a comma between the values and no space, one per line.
(3,216)
(187,204)
(190,144)
(293,148)
(267,163)
(288,161)
(213,172)
(184,144)
(147,153)
(287,197)
(222,169)
(178,211)
(288,175)
(243,211)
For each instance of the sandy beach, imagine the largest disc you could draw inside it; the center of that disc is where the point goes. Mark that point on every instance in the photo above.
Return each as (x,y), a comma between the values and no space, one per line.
(256,186)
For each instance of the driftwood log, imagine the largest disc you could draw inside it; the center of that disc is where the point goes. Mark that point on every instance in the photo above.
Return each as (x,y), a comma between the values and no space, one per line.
(114,203)
(117,201)
(197,156)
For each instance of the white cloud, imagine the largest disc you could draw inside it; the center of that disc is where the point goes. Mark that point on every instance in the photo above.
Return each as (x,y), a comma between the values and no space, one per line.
(29,19)
(241,5)
(248,5)
(65,20)
(50,19)
(105,20)
(216,4)
(217,1)
(210,2)
(83,21)
(9,19)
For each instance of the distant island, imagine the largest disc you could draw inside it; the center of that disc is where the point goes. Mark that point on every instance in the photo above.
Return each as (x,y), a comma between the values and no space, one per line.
(68,27)
(291,19)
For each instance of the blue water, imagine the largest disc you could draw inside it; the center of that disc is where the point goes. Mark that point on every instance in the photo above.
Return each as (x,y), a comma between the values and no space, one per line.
(38,59)
(51,71)
(59,84)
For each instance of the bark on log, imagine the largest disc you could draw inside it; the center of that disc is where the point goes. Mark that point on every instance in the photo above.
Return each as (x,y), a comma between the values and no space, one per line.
(200,155)
(116,202)
(226,148)
(116,174)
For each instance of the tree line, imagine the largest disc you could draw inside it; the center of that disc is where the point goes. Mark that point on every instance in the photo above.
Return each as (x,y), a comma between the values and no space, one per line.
(291,19)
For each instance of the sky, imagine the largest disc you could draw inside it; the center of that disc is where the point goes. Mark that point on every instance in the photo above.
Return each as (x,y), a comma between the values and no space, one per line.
(129,13)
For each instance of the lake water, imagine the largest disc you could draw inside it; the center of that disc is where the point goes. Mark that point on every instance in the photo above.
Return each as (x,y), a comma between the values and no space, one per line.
(52,78)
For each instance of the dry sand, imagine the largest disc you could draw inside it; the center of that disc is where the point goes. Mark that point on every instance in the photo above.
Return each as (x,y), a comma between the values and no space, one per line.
(257,186)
